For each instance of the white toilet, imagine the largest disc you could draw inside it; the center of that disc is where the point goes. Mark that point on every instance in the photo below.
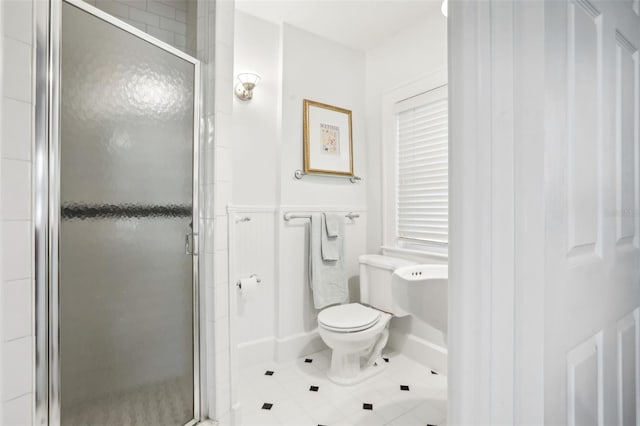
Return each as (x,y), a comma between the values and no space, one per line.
(357,333)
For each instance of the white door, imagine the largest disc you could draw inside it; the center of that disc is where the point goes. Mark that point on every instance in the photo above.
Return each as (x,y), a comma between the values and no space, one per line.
(592,157)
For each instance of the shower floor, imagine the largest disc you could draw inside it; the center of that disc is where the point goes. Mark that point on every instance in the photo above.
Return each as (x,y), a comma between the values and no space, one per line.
(298,393)
(163,404)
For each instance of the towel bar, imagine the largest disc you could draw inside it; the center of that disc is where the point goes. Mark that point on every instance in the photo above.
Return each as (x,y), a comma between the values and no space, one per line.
(291,215)
(299,174)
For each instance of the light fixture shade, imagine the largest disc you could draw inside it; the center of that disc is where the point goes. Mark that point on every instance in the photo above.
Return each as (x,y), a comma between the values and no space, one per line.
(247,77)
(247,82)
(445,8)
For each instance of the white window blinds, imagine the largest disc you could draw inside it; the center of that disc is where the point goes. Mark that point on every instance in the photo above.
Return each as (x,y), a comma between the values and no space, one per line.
(422,169)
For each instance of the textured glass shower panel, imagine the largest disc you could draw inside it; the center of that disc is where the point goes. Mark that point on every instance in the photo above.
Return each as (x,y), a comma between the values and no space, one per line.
(126,285)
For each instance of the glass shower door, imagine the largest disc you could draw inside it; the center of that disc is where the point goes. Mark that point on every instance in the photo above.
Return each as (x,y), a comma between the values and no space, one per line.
(126,268)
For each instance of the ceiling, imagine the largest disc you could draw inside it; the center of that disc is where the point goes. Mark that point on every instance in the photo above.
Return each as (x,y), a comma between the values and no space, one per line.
(360,24)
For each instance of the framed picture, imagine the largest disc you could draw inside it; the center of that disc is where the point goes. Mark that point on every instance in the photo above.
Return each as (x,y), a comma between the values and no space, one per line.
(328,142)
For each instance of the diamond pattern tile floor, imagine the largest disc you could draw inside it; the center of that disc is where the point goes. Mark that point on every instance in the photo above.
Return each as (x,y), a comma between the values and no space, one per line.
(406,393)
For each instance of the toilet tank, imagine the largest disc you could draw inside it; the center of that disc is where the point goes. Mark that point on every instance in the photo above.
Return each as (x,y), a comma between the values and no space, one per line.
(375,281)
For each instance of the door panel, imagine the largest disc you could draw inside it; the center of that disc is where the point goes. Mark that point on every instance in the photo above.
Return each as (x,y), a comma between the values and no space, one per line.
(592,263)
(126,192)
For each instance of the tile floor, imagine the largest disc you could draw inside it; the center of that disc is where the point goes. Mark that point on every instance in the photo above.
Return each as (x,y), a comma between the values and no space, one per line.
(161,404)
(299,393)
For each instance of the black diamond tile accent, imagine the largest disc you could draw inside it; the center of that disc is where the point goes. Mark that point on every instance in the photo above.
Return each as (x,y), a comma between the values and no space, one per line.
(308,360)
(267,406)
(386,359)
(434,372)
(404,387)
(367,406)
(314,388)
(268,373)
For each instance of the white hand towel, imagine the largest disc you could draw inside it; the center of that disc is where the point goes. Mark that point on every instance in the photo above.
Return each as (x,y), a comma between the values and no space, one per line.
(333,222)
(327,279)
(331,245)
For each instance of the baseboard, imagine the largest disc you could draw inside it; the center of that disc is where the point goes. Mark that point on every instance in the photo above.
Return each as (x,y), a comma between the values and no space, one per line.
(280,350)
(297,345)
(426,353)
(293,347)
(256,351)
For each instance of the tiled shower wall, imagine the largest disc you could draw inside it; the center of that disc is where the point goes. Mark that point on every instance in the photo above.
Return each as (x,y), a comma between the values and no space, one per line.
(15,200)
(172,21)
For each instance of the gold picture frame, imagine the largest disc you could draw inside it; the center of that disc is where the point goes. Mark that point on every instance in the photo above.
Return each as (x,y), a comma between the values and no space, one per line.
(325,149)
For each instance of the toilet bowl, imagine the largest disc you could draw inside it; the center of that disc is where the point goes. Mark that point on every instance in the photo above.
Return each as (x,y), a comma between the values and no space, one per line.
(357,332)
(356,335)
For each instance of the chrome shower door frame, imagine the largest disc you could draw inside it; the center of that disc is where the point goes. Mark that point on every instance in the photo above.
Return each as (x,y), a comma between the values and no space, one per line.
(46,206)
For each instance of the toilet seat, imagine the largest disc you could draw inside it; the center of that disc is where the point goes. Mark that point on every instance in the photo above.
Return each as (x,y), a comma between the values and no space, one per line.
(348,318)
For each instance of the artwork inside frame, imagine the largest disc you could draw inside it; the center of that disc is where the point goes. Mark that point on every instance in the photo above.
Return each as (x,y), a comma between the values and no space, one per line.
(328,139)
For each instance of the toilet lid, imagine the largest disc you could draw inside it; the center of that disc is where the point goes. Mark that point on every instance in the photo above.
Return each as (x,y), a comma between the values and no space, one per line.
(350,317)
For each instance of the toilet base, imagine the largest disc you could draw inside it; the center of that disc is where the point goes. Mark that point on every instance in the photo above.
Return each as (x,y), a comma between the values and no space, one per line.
(346,370)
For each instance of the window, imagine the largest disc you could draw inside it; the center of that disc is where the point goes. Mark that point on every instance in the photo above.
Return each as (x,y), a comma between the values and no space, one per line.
(421,171)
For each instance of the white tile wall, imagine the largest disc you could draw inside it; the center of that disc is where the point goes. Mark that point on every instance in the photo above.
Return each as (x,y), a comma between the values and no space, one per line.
(17,69)
(17,309)
(166,20)
(16,130)
(17,368)
(15,214)
(15,185)
(221,75)
(17,412)
(16,250)
(18,25)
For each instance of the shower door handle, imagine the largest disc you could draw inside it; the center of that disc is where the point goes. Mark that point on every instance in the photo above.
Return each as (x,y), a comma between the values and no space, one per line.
(190,244)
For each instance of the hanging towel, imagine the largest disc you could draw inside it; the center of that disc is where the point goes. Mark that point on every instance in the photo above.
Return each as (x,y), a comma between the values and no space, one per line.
(331,243)
(327,278)
(334,224)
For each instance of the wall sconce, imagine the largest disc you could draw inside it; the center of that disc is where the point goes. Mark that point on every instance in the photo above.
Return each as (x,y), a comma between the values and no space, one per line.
(247,82)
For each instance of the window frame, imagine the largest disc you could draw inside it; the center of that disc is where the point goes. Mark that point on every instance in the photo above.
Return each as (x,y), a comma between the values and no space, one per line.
(392,244)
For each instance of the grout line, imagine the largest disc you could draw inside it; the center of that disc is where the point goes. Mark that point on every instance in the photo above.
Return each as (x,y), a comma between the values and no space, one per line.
(22,160)
(18,100)
(19,41)
(26,336)
(18,397)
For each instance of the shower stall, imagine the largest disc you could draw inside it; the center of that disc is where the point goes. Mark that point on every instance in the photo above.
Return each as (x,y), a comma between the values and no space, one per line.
(116,214)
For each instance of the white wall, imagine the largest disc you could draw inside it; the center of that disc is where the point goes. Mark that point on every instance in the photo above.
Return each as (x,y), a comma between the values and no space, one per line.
(256,123)
(267,149)
(297,65)
(321,70)
(15,200)
(219,96)
(256,127)
(401,61)
(415,52)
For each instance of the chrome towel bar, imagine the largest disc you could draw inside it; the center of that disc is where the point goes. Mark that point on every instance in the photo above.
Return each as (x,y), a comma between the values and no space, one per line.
(292,215)
(299,174)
